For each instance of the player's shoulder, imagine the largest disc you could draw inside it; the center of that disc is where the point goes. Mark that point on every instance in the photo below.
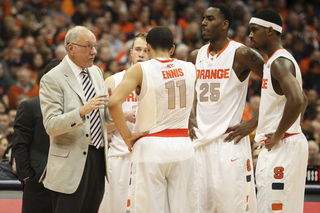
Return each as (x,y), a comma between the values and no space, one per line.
(193,56)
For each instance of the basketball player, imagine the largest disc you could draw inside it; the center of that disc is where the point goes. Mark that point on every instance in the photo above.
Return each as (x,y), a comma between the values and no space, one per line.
(225,168)
(164,176)
(282,163)
(115,197)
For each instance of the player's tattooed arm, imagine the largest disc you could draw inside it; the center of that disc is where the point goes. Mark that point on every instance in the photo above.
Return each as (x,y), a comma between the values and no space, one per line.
(247,58)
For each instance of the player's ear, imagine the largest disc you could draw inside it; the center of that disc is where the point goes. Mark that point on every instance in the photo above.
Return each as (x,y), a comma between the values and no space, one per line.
(270,30)
(148,47)
(172,50)
(225,25)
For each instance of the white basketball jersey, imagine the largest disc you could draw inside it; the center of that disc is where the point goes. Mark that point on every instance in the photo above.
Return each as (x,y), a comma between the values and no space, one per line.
(166,95)
(272,104)
(118,146)
(220,93)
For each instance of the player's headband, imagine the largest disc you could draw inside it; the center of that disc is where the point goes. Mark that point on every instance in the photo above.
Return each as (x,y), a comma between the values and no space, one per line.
(265,23)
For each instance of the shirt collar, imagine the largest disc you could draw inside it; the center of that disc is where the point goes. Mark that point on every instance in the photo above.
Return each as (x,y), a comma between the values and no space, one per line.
(75,69)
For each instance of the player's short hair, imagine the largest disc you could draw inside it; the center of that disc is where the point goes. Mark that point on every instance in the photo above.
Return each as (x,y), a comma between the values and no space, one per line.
(268,18)
(141,35)
(225,11)
(160,38)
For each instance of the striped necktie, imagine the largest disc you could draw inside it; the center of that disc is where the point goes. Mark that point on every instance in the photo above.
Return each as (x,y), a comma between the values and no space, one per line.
(95,126)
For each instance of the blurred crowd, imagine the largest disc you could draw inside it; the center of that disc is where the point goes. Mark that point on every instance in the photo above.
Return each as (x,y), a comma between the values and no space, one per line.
(32,34)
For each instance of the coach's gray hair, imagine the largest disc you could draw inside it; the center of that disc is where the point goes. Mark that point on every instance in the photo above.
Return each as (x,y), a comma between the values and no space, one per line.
(73,35)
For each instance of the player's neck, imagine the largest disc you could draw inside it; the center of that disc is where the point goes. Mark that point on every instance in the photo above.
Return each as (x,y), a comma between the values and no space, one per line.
(217,46)
(159,54)
(273,47)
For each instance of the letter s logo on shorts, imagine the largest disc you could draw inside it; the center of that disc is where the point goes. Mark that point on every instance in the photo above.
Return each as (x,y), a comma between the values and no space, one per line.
(278,172)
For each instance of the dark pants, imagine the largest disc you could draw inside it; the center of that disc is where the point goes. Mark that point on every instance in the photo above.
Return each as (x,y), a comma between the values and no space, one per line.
(88,196)
(36,198)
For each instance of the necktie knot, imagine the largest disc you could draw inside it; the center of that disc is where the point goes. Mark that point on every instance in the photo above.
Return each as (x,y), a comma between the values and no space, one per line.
(84,72)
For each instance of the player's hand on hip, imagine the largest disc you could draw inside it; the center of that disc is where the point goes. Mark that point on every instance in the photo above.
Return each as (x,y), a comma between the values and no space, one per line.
(239,131)
(191,127)
(133,138)
(272,142)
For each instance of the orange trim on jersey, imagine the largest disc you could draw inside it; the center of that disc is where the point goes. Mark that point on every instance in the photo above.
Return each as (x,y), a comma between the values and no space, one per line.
(165,61)
(276,206)
(219,53)
(273,54)
(170,133)
(263,143)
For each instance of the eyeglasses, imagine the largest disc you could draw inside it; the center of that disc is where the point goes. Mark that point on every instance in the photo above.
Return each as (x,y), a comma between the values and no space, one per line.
(87,47)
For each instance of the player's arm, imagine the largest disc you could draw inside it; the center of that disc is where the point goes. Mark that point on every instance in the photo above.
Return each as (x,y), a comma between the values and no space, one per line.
(128,115)
(109,83)
(247,59)
(283,71)
(243,129)
(192,118)
(193,56)
(305,104)
(131,80)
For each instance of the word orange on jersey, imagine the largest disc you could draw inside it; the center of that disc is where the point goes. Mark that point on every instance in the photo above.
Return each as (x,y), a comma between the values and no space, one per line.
(264,84)
(174,73)
(213,73)
(131,98)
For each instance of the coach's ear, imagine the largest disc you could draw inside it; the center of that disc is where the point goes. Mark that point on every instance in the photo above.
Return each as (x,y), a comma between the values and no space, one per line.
(172,50)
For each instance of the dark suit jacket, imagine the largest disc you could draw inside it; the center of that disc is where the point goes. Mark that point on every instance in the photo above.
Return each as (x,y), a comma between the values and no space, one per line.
(30,149)
(31,142)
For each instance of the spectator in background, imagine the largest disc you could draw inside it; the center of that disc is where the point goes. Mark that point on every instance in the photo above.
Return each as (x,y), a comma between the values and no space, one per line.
(12,79)
(60,52)
(36,68)
(254,105)
(4,120)
(313,150)
(103,56)
(252,108)
(312,77)
(311,111)
(117,47)
(3,147)
(112,68)
(7,165)
(287,39)
(3,107)
(3,131)
(23,86)
(298,49)
(14,57)
(3,85)
(21,98)
(241,33)
(81,15)
(11,114)
(28,51)
(58,17)
(305,62)
(181,52)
